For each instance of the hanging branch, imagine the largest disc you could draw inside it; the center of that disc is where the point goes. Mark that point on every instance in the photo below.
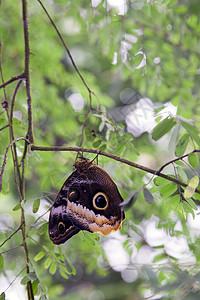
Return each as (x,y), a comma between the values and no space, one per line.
(67,49)
(117,158)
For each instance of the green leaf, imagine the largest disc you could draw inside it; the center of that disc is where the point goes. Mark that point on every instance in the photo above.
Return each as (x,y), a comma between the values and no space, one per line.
(17,207)
(168,189)
(180,9)
(1,262)
(182,174)
(64,270)
(73,270)
(24,280)
(192,185)
(63,274)
(103,147)
(174,202)
(191,203)
(131,199)
(32,276)
(97,143)
(47,262)
(197,196)
(188,209)
(193,160)
(42,229)
(159,257)
(163,127)
(180,163)
(148,196)
(53,268)
(174,137)
(192,131)
(159,181)
(3,296)
(182,145)
(35,286)
(40,255)
(36,205)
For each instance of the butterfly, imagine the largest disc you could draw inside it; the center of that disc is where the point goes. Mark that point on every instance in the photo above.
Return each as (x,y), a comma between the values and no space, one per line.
(88,200)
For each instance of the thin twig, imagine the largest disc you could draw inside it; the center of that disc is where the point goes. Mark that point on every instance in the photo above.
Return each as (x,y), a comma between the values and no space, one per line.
(112,156)
(5,157)
(2,128)
(178,158)
(12,80)
(13,101)
(14,232)
(67,49)
(14,279)
(11,249)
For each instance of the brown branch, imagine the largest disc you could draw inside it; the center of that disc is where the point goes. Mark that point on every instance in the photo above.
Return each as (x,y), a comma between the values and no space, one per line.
(112,156)
(2,128)
(178,158)
(27,69)
(5,157)
(29,135)
(22,76)
(67,49)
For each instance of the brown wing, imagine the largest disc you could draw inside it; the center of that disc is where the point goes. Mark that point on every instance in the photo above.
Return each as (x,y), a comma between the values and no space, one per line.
(94,200)
(60,227)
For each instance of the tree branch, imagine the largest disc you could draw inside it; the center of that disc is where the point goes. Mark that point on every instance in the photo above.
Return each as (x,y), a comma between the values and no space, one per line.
(27,69)
(2,128)
(22,76)
(178,158)
(112,156)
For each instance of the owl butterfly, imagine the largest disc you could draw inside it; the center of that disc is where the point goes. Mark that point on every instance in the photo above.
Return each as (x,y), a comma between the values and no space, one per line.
(88,200)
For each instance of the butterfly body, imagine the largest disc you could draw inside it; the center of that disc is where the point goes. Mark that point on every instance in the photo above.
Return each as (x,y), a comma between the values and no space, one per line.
(88,200)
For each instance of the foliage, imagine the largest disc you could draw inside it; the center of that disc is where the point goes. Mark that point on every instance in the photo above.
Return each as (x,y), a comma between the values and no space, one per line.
(141,60)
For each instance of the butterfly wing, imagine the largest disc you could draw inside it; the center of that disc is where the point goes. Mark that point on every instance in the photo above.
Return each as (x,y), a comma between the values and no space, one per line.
(88,200)
(60,226)
(94,201)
